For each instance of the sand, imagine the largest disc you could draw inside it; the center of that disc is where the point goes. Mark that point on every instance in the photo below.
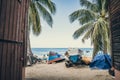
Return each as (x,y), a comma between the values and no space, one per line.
(58,71)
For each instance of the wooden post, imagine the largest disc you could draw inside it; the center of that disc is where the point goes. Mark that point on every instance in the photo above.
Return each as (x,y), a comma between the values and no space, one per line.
(13,33)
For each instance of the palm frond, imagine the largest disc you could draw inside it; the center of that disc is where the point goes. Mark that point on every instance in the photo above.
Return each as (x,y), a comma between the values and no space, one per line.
(37,29)
(45,14)
(30,23)
(82,13)
(87,35)
(32,13)
(85,19)
(49,4)
(99,3)
(89,5)
(34,19)
(95,30)
(82,30)
(107,5)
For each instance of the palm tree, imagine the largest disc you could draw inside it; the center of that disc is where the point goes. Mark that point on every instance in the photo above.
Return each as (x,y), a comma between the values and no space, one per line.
(93,18)
(39,9)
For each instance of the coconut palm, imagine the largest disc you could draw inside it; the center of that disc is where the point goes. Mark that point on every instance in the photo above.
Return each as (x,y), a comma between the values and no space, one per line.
(39,9)
(93,18)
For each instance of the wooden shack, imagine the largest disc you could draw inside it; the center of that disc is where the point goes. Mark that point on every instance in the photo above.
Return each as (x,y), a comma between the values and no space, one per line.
(13,29)
(115,34)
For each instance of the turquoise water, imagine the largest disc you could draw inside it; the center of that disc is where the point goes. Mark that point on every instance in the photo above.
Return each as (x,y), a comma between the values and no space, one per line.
(43,51)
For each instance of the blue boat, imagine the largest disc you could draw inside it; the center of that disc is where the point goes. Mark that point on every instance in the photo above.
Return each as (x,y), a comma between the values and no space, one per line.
(54,57)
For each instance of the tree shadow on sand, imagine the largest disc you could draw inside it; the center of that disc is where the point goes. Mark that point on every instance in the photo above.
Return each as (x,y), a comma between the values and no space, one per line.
(31,79)
(53,78)
(103,77)
(80,66)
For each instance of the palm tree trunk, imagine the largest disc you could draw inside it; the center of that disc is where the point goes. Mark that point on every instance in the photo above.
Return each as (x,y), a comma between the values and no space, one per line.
(105,51)
(29,52)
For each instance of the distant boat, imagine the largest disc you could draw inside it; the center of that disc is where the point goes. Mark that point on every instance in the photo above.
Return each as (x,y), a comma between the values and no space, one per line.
(87,51)
(54,57)
(75,51)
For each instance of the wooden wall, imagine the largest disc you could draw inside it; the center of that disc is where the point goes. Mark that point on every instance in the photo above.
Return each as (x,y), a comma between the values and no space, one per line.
(115,32)
(13,29)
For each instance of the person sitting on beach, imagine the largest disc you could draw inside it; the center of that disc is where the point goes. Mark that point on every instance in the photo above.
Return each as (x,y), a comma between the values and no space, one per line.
(44,59)
(66,56)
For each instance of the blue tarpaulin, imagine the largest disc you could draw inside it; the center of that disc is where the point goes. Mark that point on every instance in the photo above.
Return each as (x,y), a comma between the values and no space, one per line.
(101,61)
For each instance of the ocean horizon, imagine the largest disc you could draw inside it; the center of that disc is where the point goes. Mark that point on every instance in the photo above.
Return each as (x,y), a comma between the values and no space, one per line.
(45,51)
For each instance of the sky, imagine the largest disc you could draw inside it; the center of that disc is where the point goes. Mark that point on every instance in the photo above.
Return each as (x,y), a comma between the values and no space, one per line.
(60,35)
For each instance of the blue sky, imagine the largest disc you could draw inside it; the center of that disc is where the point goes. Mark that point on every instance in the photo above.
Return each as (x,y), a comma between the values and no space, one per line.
(60,35)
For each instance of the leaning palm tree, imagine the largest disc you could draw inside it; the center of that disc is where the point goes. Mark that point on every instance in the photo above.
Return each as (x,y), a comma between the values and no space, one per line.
(93,18)
(39,9)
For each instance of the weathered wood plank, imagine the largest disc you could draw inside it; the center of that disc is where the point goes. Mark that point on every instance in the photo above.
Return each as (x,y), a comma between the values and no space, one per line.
(12,62)
(8,60)
(11,15)
(18,60)
(116,53)
(115,33)
(3,68)
(6,31)
(116,46)
(15,63)
(15,18)
(0,7)
(1,50)
(116,39)
(117,65)
(115,27)
(2,18)
(14,55)
(114,6)
(1,24)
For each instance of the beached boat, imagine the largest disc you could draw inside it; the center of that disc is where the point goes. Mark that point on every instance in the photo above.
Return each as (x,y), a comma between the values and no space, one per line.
(54,57)
(74,57)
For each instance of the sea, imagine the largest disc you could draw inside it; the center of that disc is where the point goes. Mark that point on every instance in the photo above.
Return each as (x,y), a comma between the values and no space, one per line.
(44,51)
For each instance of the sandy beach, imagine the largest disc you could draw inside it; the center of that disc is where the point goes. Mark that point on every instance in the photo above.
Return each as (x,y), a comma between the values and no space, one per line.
(58,71)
